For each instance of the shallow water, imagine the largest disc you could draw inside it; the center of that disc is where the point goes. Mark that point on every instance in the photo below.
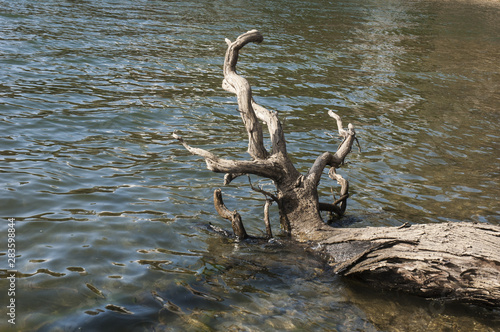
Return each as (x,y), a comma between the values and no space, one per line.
(110,210)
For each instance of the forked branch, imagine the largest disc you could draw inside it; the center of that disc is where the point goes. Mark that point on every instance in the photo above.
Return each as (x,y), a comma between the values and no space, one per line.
(333,160)
(265,168)
(250,110)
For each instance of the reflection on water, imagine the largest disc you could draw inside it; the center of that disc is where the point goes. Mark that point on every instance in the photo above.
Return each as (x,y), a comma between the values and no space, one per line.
(108,206)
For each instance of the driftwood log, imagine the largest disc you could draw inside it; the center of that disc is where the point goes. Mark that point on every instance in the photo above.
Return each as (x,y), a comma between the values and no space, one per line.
(448,261)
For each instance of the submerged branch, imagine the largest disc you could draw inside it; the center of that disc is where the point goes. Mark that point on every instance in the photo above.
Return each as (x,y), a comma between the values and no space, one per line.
(269,233)
(233,216)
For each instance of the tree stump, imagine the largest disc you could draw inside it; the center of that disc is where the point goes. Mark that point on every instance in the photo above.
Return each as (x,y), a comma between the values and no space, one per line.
(448,261)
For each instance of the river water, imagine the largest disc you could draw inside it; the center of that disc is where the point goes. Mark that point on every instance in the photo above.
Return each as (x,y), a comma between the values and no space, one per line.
(111,211)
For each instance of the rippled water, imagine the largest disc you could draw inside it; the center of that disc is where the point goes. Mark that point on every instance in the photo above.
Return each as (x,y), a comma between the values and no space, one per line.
(110,211)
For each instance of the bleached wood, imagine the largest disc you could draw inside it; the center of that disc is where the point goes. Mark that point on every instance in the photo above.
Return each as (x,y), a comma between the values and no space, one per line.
(447,261)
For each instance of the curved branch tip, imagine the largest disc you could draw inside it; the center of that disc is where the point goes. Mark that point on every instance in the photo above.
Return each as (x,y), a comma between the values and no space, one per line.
(333,115)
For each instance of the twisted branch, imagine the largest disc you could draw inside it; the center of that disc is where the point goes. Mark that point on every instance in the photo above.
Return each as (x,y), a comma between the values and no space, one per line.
(240,86)
(265,168)
(334,161)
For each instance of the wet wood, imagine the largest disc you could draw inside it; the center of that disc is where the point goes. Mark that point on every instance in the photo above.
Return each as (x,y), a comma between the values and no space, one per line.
(233,216)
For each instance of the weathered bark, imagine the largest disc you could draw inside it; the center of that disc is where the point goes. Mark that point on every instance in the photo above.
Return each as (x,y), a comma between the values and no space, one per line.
(449,261)
(454,261)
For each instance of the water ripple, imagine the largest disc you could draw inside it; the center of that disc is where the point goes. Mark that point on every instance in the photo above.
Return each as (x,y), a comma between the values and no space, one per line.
(107,203)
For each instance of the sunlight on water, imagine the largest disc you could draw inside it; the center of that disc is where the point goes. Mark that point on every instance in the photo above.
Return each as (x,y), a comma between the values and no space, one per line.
(111,212)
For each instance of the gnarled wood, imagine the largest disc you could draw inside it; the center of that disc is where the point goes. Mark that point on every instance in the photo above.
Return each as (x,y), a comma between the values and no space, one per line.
(296,194)
(239,85)
(450,261)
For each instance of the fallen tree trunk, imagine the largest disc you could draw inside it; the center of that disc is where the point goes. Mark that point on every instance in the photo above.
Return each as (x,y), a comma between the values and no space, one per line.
(450,261)
(446,261)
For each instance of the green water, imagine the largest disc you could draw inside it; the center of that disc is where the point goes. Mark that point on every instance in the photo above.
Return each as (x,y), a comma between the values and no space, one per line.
(110,210)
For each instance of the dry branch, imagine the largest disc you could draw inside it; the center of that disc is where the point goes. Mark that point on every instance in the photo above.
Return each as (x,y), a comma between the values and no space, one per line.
(240,86)
(265,168)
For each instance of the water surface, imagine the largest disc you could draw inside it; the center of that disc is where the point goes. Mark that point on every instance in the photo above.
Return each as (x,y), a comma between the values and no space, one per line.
(110,210)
